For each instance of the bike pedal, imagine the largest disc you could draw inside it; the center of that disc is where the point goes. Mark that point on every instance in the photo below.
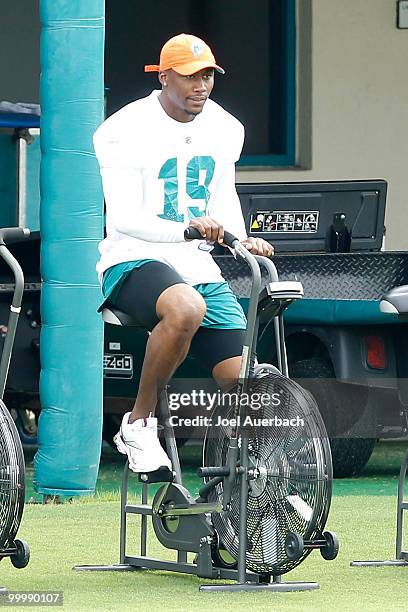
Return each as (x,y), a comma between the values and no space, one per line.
(163,474)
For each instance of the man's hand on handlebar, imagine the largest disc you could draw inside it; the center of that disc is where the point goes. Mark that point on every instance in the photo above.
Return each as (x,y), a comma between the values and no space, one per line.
(212,231)
(258,246)
(209,228)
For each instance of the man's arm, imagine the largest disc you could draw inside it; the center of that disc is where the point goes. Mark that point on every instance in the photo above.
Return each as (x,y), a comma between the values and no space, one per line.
(224,205)
(123,191)
(225,208)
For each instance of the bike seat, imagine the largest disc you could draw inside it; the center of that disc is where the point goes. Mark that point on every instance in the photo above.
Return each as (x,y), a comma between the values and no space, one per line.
(163,474)
(284,290)
(395,301)
(114,316)
(275,297)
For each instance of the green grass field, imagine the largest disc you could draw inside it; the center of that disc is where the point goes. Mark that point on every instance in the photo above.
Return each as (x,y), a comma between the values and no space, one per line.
(86,531)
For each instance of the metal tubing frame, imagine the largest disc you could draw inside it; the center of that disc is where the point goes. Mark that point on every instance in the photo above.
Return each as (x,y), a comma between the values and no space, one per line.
(21,180)
(275,586)
(401,556)
(252,312)
(24,137)
(245,581)
(170,439)
(243,509)
(141,563)
(254,262)
(13,316)
(278,321)
(400,507)
(123,504)
(143,526)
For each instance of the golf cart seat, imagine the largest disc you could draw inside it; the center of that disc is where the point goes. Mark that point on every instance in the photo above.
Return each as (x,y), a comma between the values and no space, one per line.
(395,301)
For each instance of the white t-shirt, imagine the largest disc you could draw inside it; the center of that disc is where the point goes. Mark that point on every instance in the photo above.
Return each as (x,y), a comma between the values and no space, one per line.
(157,175)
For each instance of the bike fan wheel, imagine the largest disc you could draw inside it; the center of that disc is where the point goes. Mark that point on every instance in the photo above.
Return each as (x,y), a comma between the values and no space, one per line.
(12,479)
(291,492)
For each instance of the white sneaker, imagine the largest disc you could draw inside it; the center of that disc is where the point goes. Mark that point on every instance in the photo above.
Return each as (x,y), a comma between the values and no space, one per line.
(139,441)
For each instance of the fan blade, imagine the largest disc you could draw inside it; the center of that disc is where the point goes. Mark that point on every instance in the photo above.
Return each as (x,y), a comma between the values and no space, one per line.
(300,506)
(295,445)
(301,469)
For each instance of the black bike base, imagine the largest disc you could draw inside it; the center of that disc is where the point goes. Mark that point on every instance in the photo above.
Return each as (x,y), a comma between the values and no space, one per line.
(148,563)
(116,567)
(278,587)
(253,584)
(389,563)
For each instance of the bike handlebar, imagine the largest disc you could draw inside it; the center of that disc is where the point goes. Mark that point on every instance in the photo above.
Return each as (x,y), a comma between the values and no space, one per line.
(191,233)
(13,234)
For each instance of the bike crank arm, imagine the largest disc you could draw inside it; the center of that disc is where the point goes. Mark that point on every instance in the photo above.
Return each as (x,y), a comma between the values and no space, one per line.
(189,510)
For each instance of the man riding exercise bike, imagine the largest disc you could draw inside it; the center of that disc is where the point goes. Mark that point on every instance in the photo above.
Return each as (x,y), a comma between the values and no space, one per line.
(168,162)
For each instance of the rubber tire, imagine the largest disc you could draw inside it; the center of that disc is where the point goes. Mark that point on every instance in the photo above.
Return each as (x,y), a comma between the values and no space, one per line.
(294,546)
(20,558)
(331,550)
(349,455)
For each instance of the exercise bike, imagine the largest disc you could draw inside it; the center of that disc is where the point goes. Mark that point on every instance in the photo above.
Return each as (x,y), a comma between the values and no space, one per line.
(12,466)
(395,302)
(267,489)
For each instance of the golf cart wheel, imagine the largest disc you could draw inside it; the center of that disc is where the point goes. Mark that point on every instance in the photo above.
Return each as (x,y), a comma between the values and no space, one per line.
(294,546)
(346,413)
(350,455)
(330,551)
(22,555)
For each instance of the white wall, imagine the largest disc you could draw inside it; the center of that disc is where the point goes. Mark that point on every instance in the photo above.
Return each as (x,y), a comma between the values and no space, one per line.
(359,104)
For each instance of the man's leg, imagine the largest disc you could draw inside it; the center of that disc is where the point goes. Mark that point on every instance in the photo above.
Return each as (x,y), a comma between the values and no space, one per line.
(180,310)
(156,296)
(219,341)
(226,373)
(220,351)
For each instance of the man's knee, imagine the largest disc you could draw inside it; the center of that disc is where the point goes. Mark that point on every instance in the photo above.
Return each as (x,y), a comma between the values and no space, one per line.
(182,307)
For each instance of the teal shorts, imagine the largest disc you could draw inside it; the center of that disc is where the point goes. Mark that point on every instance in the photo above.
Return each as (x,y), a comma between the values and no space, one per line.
(223,308)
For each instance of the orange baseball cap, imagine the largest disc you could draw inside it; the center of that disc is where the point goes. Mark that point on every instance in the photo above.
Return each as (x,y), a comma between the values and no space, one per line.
(186,54)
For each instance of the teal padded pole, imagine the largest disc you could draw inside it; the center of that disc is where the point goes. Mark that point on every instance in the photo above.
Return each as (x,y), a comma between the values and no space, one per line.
(71,223)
